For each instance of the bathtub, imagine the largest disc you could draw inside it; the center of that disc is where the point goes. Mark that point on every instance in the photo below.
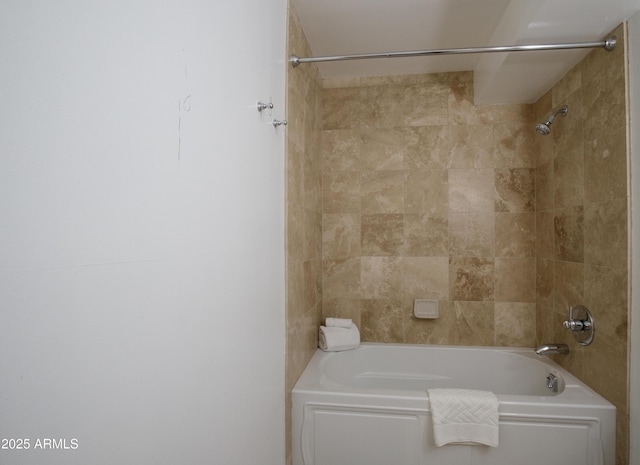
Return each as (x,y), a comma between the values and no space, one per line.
(369,406)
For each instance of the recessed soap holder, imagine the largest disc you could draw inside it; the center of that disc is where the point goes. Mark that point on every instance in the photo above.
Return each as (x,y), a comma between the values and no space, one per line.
(581,323)
(424,308)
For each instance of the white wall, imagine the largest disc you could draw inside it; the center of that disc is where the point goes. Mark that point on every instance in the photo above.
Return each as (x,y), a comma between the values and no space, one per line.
(141,231)
(634,88)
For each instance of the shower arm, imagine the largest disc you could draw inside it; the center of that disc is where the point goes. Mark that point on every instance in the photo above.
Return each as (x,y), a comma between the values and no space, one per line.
(560,111)
(608,44)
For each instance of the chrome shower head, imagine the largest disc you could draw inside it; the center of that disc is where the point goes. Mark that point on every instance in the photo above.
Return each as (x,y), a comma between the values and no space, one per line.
(544,128)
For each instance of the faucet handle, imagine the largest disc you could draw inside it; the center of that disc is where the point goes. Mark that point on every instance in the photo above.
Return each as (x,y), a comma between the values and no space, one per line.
(577,325)
(580,322)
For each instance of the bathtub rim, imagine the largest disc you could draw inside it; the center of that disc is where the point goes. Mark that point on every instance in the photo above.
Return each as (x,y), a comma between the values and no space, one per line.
(576,393)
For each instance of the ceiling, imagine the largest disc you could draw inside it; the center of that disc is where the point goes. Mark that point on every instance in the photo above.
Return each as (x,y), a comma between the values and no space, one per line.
(342,27)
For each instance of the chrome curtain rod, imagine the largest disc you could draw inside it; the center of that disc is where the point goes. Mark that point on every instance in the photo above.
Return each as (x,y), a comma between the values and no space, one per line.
(608,44)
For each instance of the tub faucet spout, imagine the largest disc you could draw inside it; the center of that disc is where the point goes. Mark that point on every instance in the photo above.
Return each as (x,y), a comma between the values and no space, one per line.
(548,349)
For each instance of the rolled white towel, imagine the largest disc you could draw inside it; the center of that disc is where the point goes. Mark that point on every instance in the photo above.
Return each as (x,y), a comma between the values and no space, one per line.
(338,322)
(332,339)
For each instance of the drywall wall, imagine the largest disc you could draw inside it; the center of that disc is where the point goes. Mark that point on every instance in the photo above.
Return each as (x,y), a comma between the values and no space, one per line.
(141,239)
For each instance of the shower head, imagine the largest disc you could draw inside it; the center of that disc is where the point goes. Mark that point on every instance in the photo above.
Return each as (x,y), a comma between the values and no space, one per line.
(543,128)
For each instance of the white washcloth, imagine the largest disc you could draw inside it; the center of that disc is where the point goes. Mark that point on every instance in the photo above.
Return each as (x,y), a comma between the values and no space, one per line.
(332,339)
(338,322)
(464,416)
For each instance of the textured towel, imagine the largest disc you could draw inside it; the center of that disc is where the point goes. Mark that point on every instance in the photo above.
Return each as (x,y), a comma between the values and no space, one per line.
(331,339)
(464,416)
(339,322)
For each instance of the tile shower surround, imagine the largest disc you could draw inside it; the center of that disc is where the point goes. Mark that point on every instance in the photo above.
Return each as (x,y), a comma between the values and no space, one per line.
(303,214)
(400,187)
(425,195)
(582,217)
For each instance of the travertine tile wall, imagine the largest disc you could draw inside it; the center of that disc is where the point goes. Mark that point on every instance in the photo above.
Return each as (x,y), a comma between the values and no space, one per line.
(303,213)
(417,193)
(582,218)
(426,195)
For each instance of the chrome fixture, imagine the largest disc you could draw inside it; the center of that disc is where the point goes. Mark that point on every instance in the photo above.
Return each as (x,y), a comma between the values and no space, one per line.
(277,123)
(608,44)
(552,382)
(263,106)
(550,349)
(581,323)
(543,128)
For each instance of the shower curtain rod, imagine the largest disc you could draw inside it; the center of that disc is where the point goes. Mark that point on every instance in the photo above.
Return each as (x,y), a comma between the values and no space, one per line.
(609,43)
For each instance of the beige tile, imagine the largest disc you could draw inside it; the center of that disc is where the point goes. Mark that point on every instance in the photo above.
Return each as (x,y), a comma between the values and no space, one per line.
(387,105)
(342,308)
(460,101)
(568,179)
(426,235)
(341,278)
(296,116)
(545,235)
(605,95)
(341,150)
(472,323)
(295,174)
(350,107)
(568,240)
(382,235)
(312,179)
(312,235)
(544,187)
(544,300)
(428,147)
(381,278)
(568,289)
(622,438)
(545,323)
(472,234)
(605,164)
(514,189)
(423,105)
(471,190)
(382,191)
(312,270)
(511,113)
(515,324)
(605,233)
(341,192)
(383,149)
(341,235)
(567,131)
(382,321)
(427,192)
(515,279)
(605,295)
(515,234)
(295,233)
(295,290)
(471,146)
(513,145)
(335,83)
(471,279)
(425,278)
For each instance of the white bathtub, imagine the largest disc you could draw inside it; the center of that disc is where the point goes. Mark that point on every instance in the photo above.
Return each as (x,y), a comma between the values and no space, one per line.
(369,406)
